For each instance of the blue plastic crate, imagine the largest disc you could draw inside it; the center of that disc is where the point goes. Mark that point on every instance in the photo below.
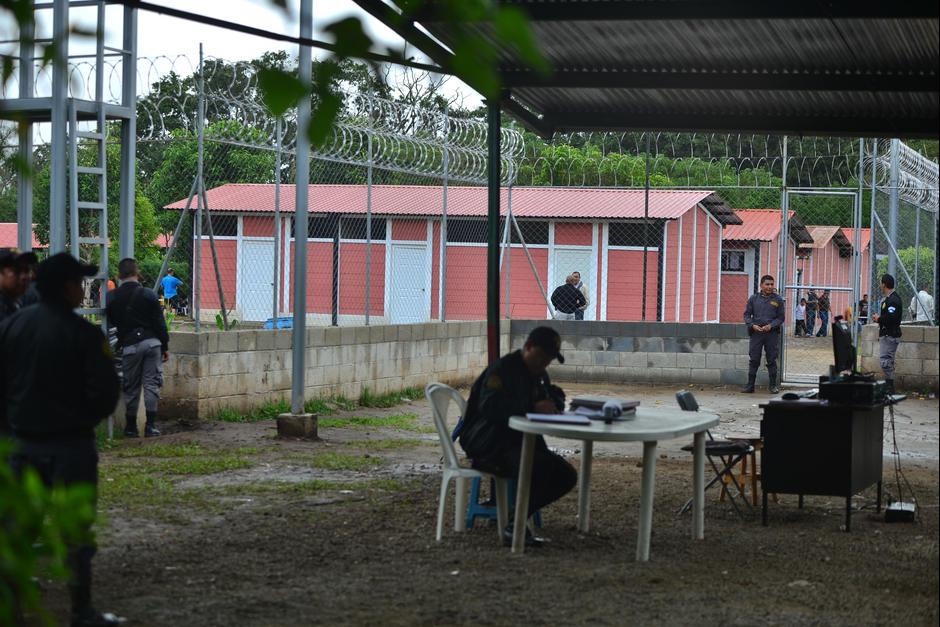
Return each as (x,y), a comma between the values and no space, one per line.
(284,322)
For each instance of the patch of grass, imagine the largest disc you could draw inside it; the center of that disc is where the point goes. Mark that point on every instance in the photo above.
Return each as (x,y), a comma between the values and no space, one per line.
(312,486)
(338,461)
(389,399)
(389,444)
(227,414)
(180,450)
(343,403)
(405,422)
(320,406)
(200,465)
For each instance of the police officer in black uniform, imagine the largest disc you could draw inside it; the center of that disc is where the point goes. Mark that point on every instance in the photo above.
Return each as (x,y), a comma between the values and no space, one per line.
(764,317)
(57,381)
(513,386)
(889,328)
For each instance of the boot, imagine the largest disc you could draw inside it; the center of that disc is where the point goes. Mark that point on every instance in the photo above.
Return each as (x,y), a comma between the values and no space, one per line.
(749,388)
(150,430)
(889,386)
(772,386)
(130,426)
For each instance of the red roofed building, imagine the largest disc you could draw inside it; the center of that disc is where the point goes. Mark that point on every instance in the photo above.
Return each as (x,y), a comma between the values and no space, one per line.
(8,236)
(598,232)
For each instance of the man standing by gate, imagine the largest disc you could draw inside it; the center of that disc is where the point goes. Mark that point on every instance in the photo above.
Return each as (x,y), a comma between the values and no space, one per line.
(135,311)
(889,328)
(764,316)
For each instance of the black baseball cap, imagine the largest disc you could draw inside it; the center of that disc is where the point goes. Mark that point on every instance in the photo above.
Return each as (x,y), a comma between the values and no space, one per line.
(548,340)
(10,257)
(59,268)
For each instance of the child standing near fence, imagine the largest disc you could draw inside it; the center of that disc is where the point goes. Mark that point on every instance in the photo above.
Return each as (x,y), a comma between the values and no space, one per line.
(800,317)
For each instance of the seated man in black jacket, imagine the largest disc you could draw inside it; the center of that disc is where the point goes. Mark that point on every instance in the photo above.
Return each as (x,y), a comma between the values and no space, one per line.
(136,312)
(513,386)
(57,381)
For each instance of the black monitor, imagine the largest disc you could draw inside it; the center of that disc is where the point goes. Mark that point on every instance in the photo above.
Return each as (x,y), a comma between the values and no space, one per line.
(842,348)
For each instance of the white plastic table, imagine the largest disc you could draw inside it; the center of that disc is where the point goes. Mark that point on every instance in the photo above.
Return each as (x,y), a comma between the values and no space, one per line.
(649,426)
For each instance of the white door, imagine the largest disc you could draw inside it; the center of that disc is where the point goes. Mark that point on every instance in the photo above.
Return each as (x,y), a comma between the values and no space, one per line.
(568,260)
(409,288)
(256,273)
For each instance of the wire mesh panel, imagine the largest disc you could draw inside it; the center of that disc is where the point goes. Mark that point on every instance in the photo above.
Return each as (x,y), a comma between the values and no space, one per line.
(820,279)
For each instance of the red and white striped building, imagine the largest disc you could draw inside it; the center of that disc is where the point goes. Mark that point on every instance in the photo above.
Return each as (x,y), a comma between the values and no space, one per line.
(599,232)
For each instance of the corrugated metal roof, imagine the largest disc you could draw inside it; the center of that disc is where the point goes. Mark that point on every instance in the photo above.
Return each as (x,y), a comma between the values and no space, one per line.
(763,225)
(838,68)
(8,236)
(822,235)
(865,233)
(423,200)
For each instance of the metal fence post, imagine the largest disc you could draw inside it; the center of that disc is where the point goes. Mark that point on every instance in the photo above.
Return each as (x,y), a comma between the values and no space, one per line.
(277,222)
(442,280)
(893,202)
(197,232)
(302,174)
(369,214)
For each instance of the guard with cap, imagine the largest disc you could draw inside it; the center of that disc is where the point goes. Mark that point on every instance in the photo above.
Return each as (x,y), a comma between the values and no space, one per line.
(764,316)
(514,385)
(15,277)
(57,382)
(141,331)
(889,328)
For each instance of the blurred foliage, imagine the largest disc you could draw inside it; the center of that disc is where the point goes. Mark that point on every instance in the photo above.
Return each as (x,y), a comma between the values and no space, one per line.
(37,524)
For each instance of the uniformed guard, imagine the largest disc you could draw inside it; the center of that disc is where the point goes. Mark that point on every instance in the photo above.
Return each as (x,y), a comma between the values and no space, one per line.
(141,331)
(764,316)
(514,385)
(889,328)
(57,381)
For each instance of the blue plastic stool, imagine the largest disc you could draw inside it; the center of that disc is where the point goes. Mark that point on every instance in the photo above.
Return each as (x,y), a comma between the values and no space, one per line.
(475,509)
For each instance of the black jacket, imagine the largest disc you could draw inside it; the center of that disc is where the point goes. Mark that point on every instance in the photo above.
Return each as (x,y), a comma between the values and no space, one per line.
(567,298)
(762,310)
(136,313)
(57,376)
(889,317)
(506,388)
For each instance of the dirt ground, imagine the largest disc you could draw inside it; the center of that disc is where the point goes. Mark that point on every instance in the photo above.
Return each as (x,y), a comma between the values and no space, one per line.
(224,524)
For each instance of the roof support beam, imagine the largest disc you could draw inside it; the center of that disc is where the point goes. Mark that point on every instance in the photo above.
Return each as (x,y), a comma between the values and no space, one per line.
(909,126)
(773,81)
(542,126)
(721,10)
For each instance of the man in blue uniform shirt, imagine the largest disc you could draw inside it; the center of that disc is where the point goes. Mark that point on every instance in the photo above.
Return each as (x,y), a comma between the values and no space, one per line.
(764,317)
(889,328)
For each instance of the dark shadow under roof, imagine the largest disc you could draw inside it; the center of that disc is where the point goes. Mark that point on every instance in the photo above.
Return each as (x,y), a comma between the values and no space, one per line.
(811,67)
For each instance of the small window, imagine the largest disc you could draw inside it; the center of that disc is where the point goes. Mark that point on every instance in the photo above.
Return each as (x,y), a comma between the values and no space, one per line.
(319,227)
(466,231)
(632,234)
(221,225)
(534,232)
(732,261)
(355,228)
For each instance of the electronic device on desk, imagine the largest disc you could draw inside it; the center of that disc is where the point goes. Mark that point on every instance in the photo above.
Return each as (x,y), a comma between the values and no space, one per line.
(845,385)
(604,408)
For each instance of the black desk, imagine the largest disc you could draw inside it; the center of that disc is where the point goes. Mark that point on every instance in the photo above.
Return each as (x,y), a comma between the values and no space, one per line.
(813,447)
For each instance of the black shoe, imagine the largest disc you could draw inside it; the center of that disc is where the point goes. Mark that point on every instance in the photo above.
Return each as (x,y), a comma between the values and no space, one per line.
(531,541)
(131,433)
(773,388)
(94,618)
(889,386)
(151,431)
(748,389)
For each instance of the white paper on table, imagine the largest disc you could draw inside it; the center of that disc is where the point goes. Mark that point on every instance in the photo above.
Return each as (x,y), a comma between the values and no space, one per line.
(571,419)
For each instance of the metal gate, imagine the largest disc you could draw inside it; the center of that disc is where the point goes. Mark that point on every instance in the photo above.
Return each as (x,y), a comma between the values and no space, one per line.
(821,261)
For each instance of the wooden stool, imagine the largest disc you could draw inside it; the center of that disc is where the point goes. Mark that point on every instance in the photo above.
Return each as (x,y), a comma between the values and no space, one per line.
(749,474)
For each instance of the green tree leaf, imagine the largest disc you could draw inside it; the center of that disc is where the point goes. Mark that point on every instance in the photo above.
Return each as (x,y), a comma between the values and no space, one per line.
(280,90)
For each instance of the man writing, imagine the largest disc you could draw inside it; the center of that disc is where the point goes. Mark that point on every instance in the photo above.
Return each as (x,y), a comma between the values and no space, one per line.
(514,385)
(889,328)
(57,382)
(141,330)
(764,315)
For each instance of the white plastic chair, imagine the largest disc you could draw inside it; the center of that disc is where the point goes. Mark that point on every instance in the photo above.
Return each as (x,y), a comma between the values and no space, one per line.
(440,397)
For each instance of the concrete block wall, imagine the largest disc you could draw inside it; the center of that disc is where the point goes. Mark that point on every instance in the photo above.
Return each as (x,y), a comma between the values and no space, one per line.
(245,368)
(915,362)
(649,352)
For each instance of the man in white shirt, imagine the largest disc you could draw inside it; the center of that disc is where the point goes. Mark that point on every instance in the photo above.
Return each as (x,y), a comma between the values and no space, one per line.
(922,306)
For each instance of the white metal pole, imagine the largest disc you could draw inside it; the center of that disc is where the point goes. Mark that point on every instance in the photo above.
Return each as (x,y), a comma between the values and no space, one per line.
(369,213)
(277,222)
(57,168)
(24,180)
(197,230)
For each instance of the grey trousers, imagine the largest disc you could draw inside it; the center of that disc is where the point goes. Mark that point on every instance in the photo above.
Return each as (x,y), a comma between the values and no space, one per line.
(143,369)
(888,346)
